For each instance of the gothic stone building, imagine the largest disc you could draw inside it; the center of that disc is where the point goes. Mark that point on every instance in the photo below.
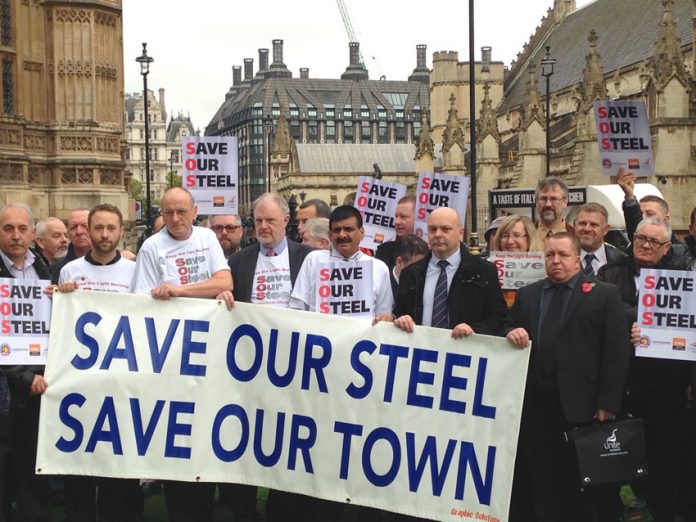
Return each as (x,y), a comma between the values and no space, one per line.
(62,105)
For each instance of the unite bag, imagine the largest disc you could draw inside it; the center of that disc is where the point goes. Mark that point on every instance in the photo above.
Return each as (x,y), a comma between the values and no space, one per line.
(610,451)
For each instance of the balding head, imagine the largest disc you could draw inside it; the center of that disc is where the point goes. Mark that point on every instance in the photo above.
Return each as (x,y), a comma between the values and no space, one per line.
(445,232)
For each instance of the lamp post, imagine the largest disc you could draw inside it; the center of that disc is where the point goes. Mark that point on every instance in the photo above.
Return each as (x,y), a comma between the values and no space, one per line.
(472,126)
(171,170)
(547,64)
(144,60)
(303,195)
(268,129)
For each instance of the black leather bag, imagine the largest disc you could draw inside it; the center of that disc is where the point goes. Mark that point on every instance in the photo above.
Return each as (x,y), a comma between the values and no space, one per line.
(610,452)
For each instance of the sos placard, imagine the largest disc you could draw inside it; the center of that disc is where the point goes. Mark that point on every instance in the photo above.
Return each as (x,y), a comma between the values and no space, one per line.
(437,190)
(623,134)
(376,200)
(211,172)
(345,288)
(667,314)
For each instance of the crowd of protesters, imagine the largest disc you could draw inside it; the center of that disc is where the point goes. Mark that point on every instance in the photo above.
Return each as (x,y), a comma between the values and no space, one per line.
(580,318)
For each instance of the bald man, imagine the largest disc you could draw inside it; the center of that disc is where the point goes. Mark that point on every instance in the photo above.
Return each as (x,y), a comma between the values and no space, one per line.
(450,288)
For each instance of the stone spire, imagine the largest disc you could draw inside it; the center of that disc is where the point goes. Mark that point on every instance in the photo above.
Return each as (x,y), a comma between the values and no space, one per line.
(533,110)
(282,140)
(488,123)
(453,132)
(668,58)
(425,145)
(593,86)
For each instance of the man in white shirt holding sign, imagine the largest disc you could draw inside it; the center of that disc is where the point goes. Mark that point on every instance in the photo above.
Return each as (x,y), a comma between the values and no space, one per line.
(183,261)
(101,269)
(343,280)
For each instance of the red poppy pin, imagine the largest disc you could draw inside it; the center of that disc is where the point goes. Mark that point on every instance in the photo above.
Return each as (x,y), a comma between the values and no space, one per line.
(587,287)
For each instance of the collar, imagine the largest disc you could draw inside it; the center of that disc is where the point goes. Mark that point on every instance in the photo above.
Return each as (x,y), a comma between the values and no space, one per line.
(29,259)
(396,277)
(278,249)
(600,254)
(544,230)
(336,254)
(454,260)
(570,283)
(91,261)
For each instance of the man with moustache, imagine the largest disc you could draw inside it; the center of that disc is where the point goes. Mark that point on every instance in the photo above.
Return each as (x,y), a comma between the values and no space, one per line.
(228,229)
(51,239)
(158,273)
(101,269)
(78,235)
(591,227)
(551,199)
(21,385)
(271,254)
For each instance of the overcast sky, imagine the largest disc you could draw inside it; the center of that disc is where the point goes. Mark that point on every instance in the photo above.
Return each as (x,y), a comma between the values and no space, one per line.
(195,44)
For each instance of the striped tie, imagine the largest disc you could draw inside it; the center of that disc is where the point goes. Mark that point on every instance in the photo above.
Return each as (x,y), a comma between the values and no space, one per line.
(439,318)
(589,270)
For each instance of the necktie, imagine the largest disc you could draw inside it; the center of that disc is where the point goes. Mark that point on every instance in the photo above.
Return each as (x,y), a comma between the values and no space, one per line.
(588,264)
(439,318)
(271,253)
(550,328)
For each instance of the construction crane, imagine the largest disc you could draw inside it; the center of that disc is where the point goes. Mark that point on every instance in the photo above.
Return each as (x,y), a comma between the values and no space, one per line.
(349,28)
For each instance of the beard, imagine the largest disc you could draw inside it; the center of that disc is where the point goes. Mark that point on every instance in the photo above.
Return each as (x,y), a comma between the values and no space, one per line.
(105,247)
(548,217)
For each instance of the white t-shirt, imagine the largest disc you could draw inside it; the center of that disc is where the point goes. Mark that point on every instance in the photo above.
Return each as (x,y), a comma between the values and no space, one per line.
(304,294)
(163,259)
(114,277)
(272,282)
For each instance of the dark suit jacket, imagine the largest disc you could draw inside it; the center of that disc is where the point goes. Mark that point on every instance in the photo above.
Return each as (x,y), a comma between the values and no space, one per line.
(243,263)
(593,351)
(387,252)
(20,377)
(474,296)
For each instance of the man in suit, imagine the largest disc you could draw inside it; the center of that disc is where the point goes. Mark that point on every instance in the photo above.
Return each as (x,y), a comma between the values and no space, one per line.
(591,227)
(404,221)
(576,375)
(273,253)
(656,389)
(21,384)
(410,249)
(449,287)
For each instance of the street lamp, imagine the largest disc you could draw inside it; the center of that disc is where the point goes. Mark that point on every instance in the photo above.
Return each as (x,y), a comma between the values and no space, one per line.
(144,60)
(268,128)
(472,127)
(547,64)
(303,195)
(171,169)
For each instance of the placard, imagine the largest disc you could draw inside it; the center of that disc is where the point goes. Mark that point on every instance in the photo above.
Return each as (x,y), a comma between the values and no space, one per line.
(211,173)
(667,314)
(518,269)
(376,199)
(345,288)
(435,190)
(623,134)
(25,321)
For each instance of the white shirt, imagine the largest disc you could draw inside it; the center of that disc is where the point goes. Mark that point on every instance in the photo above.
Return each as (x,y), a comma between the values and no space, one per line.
(163,259)
(304,293)
(598,262)
(26,272)
(113,277)
(431,277)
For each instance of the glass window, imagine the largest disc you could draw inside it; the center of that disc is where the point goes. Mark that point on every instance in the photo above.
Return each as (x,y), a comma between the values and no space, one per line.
(382,113)
(397,99)
(347,113)
(348,131)
(399,115)
(275,111)
(294,112)
(330,113)
(416,129)
(366,131)
(330,131)
(364,112)
(400,131)
(382,132)
(313,131)
(312,112)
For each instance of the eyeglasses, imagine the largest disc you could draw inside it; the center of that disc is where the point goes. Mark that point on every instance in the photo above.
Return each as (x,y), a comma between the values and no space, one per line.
(227,228)
(550,199)
(515,236)
(179,212)
(640,240)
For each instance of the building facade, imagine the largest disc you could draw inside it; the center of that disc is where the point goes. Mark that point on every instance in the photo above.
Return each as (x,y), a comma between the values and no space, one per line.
(61,126)
(330,113)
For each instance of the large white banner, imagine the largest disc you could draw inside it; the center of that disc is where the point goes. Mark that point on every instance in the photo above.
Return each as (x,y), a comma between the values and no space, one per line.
(211,173)
(332,407)
(25,319)
(667,314)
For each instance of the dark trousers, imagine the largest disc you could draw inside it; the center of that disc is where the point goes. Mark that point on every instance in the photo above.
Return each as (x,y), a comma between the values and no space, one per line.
(18,439)
(546,485)
(113,500)
(189,501)
(665,447)
(241,498)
